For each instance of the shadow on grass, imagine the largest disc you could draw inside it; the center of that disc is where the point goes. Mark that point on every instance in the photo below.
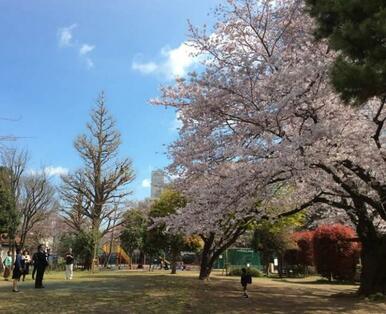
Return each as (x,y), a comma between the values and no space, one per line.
(125,292)
(315,282)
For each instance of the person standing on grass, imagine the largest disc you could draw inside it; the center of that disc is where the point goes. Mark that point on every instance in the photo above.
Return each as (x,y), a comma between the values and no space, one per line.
(69,258)
(7,266)
(17,270)
(50,259)
(40,264)
(27,261)
(245,280)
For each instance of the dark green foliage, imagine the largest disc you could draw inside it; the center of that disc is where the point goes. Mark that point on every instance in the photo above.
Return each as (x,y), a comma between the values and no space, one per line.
(158,238)
(9,218)
(132,236)
(357,30)
(254,272)
(274,238)
(82,245)
(8,215)
(189,258)
(167,204)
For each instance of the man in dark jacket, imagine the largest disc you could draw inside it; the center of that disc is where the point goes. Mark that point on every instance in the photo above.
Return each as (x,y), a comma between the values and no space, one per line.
(40,264)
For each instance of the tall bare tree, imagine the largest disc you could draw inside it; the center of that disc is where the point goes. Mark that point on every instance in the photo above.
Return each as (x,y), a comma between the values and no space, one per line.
(102,180)
(36,202)
(74,210)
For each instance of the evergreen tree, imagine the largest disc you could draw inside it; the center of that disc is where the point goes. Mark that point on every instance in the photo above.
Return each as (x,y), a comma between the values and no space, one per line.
(9,218)
(356,29)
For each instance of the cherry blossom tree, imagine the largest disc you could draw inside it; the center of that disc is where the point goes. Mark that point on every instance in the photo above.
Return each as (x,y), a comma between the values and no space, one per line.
(219,209)
(264,100)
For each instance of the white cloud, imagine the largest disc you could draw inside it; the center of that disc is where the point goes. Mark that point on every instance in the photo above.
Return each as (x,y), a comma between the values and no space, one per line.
(146,183)
(85,49)
(65,35)
(145,68)
(50,171)
(179,60)
(66,39)
(174,62)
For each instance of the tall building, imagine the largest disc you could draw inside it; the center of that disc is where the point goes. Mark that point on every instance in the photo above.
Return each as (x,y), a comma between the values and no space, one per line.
(157,183)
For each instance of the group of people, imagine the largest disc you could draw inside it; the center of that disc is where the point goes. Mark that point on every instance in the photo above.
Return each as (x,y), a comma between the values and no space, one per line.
(19,267)
(159,263)
(21,264)
(23,261)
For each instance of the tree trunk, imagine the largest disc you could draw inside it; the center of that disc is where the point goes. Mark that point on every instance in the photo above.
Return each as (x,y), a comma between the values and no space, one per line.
(173,262)
(94,257)
(210,253)
(205,269)
(373,276)
(95,244)
(107,260)
(131,261)
(174,268)
(280,265)
(205,266)
(88,262)
(141,261)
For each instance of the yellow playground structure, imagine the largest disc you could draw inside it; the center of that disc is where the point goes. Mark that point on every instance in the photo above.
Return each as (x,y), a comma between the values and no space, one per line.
(118,254)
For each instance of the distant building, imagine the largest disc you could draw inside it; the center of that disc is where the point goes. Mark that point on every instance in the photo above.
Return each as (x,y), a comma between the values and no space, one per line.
(157,183)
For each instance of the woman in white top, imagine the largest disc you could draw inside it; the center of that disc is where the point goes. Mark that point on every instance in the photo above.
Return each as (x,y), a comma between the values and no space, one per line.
(26,262)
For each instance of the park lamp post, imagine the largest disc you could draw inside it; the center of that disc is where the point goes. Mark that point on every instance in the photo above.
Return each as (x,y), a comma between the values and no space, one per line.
(220,258)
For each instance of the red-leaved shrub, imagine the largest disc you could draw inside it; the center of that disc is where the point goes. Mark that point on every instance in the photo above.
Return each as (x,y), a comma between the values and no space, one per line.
(335,253)
(304,240)
(303,254)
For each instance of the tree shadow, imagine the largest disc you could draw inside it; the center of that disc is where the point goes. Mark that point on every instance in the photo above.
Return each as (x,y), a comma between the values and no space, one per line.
(156,293)
(315,282)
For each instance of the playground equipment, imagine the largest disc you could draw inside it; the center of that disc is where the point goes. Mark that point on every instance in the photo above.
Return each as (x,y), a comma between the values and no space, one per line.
(117,254)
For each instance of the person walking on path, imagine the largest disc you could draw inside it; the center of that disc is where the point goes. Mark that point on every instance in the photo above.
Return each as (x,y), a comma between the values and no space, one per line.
(17,270)
(40,264)
(245,280)
(7,265)
(27,261)
(69,258)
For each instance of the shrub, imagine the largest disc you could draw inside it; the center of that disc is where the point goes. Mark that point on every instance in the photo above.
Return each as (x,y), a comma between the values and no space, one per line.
(304,240)
(304,253)
(254,272)
(189,258)
(335,255)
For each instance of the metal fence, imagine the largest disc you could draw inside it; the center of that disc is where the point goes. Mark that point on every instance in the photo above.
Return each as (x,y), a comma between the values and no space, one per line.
(238,257)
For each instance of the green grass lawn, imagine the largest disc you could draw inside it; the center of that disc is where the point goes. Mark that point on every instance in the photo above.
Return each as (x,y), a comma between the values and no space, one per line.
(159,292)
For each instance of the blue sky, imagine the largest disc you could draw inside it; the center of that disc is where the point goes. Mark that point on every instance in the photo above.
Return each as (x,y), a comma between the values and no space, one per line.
(56,56)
